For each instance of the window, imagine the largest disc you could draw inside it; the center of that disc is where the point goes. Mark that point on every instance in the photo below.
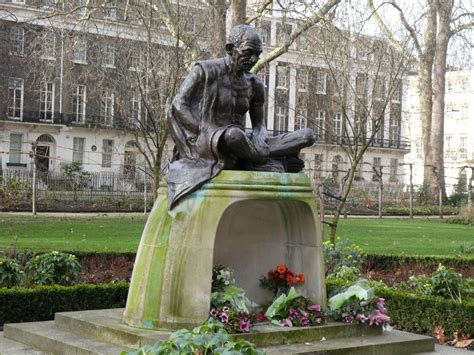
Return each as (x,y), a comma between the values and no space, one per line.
(15,98)
(80,50)
(447,146)
(361,84)
(47,101)
(79,103)
(376,166)
(110,10)
(264,28)
(15,148)
(17,41)
(283,31)
(394,131)
(18,1)
(281,119)
(321,82)
(48,45)
(135,109)
(463,147)
(419,147)
(397,92)
(379,88)
(338,125)
(109,55)
(47,3)
(282,77)
(393,169)
(300,118)
(81,7)
(136,59)
(302,80)
(320,123)
(107,108)
(78,150)
(107,148)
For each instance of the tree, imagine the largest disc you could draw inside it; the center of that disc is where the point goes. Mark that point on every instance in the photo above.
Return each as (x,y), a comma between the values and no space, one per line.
(440,22)
(351,94)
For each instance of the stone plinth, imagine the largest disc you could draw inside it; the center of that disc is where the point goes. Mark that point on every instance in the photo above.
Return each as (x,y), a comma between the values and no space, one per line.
(249,221)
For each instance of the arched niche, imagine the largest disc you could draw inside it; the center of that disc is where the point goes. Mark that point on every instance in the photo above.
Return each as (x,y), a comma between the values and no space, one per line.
(254,236)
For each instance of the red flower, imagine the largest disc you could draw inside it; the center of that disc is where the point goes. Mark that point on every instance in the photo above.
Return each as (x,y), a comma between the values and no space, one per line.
(281,269)
(301,277)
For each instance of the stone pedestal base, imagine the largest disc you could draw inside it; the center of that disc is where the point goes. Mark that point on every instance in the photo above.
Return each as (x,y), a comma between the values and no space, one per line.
(249,221)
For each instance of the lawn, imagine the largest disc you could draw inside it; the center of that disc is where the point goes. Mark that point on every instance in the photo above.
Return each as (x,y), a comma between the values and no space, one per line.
(44,233)
(122,234)
(404,236)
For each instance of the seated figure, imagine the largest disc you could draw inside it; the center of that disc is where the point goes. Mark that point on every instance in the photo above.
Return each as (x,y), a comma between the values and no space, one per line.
(207,121)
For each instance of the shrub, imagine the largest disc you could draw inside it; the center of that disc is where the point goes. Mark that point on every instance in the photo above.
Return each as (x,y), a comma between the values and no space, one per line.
(10,272)
(20,304)
(448,284)
(429,210)
(342,253)
(209,338)
(346,273)
(53,268)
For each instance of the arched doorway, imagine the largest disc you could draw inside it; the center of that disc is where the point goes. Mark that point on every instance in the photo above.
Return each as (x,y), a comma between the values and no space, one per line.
(45,146)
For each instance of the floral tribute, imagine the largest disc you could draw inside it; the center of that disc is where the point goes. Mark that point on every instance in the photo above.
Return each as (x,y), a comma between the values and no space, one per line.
(280,279)
(358,304)
(228,302)
(294,310)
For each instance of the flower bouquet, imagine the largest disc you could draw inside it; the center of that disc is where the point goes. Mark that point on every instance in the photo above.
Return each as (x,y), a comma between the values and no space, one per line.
(294,310)
(280,279)
(358,304)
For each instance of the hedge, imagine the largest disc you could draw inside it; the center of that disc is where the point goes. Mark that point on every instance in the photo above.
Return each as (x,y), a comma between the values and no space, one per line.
(419,314)
(408,312)
(421,210)
(388,261)
(20,304)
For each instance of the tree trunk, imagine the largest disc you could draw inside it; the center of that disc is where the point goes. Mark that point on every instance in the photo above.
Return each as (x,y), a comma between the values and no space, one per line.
(217,30)
(437,121)
(238,12)
(426,92)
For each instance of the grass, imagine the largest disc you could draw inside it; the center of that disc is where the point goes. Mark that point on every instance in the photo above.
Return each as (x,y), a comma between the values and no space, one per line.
(122,234)
(86,234)
(406,237)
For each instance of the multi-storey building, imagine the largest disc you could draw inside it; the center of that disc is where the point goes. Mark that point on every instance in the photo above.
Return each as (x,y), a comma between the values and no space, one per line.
(64,86)
(458,129)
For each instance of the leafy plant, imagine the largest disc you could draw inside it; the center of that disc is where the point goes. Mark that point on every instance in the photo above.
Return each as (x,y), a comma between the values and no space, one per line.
(209,338)
(10,272)
(293,309)
(359,304)
(53,268)
(280,279)
(448,284)
(342,253)
(346,273)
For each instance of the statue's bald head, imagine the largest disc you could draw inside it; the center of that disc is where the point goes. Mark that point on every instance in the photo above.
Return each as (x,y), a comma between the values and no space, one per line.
(242,33)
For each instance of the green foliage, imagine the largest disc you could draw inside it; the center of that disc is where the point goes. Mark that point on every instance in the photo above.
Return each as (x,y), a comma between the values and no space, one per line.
(20,304)
(233,297)
(209,338)
(419,314)
(430,210)
(344,272)
(52,268)
(380,261)
(10,272)
(342,253)
(447,283)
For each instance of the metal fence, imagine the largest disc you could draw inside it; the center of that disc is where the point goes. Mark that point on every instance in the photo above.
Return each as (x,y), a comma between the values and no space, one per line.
(88,189)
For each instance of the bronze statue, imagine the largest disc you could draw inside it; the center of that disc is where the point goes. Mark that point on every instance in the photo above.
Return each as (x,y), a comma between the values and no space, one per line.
(207,121)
